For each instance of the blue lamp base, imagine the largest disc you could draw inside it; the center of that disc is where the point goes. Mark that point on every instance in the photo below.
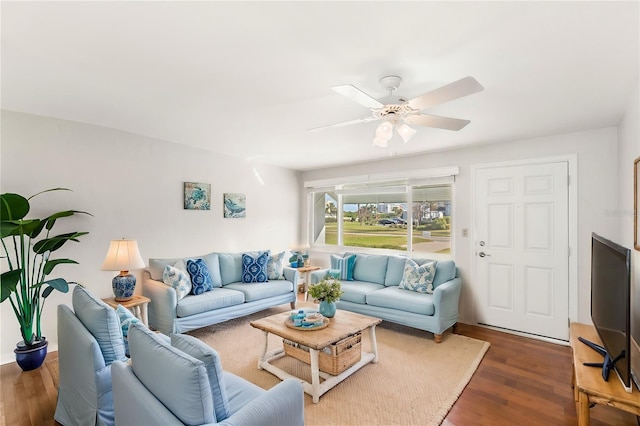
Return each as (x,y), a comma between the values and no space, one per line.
(123,286)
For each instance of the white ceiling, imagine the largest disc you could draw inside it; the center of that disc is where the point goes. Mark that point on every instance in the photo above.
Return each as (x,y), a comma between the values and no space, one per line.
(249,79)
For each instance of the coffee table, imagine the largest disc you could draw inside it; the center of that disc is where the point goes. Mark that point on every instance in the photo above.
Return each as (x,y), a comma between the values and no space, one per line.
(343,325)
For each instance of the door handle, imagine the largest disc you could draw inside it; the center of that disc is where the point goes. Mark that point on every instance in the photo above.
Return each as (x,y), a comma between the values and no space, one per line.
(483,254)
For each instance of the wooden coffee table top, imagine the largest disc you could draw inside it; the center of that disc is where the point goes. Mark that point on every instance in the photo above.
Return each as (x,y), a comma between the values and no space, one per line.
(343,324)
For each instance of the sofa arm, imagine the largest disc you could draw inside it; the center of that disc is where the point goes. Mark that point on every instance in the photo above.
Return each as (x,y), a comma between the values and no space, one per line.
(162,309)
(293,275)
(317,276)
(282,405)
(445,300)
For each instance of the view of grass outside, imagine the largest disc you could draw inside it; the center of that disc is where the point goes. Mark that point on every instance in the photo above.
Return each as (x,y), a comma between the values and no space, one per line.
(357,234)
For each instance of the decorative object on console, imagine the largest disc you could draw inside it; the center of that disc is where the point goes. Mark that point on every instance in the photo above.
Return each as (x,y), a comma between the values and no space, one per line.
(29,259)
(296,259)
(123,255)
(234,205)
(327,291)
(197,196)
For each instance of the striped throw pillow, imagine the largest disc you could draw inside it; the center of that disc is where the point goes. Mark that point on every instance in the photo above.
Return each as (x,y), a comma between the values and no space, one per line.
(344,265)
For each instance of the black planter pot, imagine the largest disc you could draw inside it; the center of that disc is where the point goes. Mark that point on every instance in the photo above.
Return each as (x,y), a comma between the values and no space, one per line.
(30,357)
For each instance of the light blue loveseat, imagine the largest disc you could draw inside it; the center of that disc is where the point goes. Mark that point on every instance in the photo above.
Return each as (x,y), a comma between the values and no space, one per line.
(374,291)
(229,299)
(183,382)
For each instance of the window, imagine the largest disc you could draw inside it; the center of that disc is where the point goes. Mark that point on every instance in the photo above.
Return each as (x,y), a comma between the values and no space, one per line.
(406,215)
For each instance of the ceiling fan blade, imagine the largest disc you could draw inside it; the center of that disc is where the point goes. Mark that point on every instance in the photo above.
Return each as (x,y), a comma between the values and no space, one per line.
(345,123)
(457,89)
(357,95)
(436,121)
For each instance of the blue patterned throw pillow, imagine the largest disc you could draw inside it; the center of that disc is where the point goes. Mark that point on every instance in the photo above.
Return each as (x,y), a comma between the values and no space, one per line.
(200,277)
(254,268)
(345,265)
(418,278)
(275,267)
(126,319)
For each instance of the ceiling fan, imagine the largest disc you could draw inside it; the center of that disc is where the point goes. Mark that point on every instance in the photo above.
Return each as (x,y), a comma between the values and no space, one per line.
(399,115)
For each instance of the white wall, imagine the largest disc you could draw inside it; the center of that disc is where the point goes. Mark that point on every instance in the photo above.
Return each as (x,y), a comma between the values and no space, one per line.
(133,186)
(597,191)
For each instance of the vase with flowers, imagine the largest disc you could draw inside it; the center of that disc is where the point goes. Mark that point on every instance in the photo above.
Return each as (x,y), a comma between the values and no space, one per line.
(327,292)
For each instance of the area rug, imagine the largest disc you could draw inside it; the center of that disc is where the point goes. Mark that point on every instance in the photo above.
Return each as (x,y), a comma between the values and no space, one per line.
(415,382)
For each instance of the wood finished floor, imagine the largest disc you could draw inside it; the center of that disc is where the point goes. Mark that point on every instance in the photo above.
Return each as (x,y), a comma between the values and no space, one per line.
(519,382)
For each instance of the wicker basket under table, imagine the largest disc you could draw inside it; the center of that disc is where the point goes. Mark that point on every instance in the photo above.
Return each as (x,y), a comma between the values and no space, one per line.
(334,359)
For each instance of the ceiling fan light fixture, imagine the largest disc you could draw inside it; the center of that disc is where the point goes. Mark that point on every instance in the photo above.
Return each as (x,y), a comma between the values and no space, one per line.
(406,132)
(385,130)
(380,141)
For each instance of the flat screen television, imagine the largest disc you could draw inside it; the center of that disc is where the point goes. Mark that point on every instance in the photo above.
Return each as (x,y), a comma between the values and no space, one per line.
(611,306)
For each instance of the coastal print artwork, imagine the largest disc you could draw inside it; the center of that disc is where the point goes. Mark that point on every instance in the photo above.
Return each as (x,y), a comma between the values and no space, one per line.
(234,205)
(197,196)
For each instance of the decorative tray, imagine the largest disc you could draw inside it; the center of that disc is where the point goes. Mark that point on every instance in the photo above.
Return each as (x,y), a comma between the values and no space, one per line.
(325,323)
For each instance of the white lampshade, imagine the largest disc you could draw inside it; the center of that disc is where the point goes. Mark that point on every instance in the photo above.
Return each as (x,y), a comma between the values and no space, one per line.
(406,132)
(123,255)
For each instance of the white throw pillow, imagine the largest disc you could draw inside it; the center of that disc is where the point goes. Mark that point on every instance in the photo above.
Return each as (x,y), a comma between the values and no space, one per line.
(418,278)
(178,279)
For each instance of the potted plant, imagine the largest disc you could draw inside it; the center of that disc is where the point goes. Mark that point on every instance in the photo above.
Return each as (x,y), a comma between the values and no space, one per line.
(28,245)
(327,291)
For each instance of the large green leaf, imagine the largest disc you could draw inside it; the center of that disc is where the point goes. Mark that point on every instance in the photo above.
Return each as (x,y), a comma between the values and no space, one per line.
(51,220)
(59,284)
(50,264)
(54,243)
(8,282)
(13,206)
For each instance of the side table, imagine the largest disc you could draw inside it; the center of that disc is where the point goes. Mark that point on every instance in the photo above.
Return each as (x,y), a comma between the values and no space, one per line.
(137,305)
(306,270)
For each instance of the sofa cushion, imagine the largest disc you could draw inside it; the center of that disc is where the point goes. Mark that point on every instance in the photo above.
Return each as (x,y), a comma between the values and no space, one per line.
(254,268)
(178,279)
(275,266)
(356,291)
(102,322)
(445,271)
(408,301)
(395,270)
(344,264)
(333,273)
(258,291)
(371,268)
(201,280)
(230,267)
(126,318)
(214,299)
(418,278)
(197,349)
(178,380)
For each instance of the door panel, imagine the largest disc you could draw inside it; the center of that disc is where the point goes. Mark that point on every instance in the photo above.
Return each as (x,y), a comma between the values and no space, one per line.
(522,240)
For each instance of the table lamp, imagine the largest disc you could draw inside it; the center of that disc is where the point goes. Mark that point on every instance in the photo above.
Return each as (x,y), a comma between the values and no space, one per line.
(123,256)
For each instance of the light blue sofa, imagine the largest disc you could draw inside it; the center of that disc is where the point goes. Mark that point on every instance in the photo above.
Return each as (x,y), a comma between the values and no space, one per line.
(228,300)
(183,383)
(374,291)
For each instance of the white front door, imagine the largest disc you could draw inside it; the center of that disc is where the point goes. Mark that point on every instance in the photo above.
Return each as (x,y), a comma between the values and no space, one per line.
(522,248)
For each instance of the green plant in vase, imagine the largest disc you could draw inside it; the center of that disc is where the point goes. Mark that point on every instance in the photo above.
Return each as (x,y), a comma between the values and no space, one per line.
(28,245)
(327,291)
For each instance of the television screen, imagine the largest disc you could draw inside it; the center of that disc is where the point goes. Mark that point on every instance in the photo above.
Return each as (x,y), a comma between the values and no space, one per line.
(610,302)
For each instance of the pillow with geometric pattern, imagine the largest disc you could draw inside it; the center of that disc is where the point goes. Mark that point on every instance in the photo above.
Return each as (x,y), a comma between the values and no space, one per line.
(201,280)
(418,278)
(254,268)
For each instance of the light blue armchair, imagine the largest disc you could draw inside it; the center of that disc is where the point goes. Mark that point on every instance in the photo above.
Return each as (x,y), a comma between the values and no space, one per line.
(89,340)
(183,383)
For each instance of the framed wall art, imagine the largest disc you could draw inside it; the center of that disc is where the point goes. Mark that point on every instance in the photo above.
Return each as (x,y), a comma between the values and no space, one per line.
(636,198)
(197,196)
(234,205)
